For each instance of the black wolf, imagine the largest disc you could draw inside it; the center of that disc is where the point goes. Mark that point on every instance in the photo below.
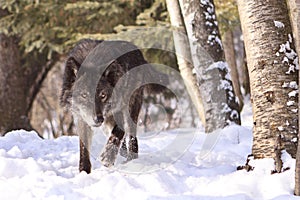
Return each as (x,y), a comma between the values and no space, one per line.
(99,89)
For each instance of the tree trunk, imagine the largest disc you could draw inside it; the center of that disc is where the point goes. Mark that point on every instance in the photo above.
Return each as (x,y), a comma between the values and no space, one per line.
(294,7)
(241,61)
(273,77)
(297,169)
(20,81)
(13,107)
(245,75)
(230,58)
(182,49)
(219,100)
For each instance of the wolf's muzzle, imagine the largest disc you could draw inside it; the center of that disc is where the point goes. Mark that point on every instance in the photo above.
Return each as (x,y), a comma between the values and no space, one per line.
(98,121)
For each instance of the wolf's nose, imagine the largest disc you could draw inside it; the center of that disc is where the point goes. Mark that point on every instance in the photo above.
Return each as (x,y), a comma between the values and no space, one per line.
(98,119)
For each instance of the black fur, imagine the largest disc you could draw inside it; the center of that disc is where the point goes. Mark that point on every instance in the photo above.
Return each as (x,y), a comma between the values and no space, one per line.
(73,63)
(104,110)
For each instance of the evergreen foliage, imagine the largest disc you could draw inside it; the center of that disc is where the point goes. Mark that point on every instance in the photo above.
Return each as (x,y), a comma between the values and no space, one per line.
(53,24)
(227,14)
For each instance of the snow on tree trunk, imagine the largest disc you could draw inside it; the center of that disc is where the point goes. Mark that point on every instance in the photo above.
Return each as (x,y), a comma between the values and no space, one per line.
(182,48)
(273,68)
(219,100)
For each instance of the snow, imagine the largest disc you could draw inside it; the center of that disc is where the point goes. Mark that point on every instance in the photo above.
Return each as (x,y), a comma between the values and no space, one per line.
(290,55)
(278,24)
(295,110)
(290,103)
(292,84)
(293,93)
(218,65)
(176,164)
(280,128)
(291,60)
(204,2)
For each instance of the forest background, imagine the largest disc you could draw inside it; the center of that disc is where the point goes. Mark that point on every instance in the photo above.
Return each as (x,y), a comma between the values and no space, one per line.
(38,35)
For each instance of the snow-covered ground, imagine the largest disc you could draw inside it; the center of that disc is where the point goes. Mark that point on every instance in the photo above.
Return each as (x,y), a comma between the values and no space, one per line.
(178,164)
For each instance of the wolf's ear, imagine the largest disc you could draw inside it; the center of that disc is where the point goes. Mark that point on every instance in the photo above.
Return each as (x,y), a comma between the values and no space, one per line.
(114,72)
(75,70)
(72,67)
(70,74)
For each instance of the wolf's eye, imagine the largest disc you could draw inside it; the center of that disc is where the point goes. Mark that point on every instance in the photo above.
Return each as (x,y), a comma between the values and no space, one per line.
(103,96)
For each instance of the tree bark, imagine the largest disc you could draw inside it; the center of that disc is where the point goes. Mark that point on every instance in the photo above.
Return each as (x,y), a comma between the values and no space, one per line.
(182,49)
(20,81)
(219,100)
(245,75)
(230,58)
(273,77)
(294,7)
(13,95)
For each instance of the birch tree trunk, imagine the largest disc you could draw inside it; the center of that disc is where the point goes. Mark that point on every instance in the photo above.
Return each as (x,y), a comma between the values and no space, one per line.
(182,49)
(273,68)
(219,100)
(294,7)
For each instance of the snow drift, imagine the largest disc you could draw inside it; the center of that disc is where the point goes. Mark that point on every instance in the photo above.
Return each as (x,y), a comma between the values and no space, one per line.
(32,168)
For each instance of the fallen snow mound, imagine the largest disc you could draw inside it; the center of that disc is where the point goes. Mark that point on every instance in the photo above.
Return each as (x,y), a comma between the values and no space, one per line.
(203,168)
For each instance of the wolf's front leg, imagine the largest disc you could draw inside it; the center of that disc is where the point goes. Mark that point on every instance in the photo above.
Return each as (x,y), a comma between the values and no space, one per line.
(123,148)
(111,148)
(131,124)
(133,149)
(130,129)
(85,139)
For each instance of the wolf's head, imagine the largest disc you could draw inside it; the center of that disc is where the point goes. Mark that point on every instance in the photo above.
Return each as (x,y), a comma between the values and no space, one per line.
(91,99)
(73,63)
(103,101)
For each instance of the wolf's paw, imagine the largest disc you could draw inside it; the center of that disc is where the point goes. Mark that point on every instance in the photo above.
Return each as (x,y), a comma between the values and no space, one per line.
(131,156)
(133,149)
(110,152)
(109,155)
(85,165)
(123,149)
